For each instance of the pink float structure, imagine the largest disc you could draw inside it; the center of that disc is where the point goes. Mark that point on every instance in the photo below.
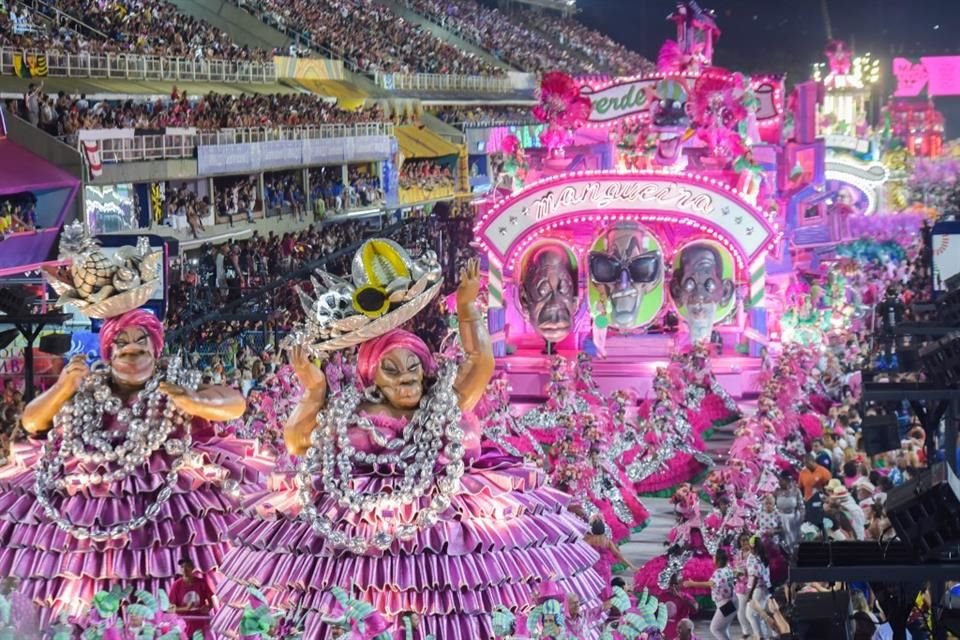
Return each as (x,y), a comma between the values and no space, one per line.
(666,234)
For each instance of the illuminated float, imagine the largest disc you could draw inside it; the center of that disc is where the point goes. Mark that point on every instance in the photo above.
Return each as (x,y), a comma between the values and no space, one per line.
(670,222)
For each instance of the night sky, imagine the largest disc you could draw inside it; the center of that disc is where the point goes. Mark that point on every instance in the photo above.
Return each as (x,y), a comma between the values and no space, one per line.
(790,35)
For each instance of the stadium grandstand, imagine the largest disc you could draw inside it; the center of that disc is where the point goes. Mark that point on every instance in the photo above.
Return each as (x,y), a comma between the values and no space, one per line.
(257,139)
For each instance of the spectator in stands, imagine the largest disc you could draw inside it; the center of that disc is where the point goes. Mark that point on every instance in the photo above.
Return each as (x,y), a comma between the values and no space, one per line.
(813,477)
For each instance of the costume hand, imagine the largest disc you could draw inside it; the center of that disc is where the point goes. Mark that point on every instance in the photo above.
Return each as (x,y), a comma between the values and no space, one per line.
(469,286)
(309,374)
(74,373)
(183,399)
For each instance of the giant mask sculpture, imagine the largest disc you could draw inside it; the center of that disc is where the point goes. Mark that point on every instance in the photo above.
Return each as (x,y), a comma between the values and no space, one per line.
(702,287)
(548,291)
(626,265)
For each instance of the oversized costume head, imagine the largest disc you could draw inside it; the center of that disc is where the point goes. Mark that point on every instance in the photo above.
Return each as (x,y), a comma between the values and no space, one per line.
(699,288)
(625,265)
(396,363)
(132,343)
(548,291)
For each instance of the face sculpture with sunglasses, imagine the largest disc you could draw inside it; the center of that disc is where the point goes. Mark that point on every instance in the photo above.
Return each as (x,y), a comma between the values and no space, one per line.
(548,291)
(625,272)
(699,289)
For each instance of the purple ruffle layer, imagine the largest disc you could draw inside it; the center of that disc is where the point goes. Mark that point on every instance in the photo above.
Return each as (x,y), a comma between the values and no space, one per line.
(61,573)
(505,533)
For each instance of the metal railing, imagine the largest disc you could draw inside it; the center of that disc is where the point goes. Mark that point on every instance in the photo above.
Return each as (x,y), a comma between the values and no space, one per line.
(183,146)
(442,82)
(123,66)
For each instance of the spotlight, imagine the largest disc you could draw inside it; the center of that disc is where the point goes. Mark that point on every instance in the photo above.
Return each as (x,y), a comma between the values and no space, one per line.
(880,434)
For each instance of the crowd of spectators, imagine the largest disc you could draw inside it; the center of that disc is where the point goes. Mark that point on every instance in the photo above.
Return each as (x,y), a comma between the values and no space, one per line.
(517,44)
(607,55)
(533,41)
(484,116)
(368,34)
(18,213)
(284,192)
(425,174)
(236,196)
(120,26)
(64,115)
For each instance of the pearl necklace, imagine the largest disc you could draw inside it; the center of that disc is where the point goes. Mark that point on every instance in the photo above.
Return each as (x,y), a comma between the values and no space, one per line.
(79,425)
(417,454)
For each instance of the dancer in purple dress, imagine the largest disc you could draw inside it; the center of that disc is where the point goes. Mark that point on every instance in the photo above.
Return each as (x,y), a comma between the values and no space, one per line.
(131,479)
(394,501)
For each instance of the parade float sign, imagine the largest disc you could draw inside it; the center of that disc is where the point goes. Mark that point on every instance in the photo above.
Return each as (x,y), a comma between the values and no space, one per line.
(633,97)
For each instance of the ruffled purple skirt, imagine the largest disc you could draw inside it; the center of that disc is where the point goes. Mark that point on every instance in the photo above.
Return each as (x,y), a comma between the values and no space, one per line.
(505,532)
(61,574)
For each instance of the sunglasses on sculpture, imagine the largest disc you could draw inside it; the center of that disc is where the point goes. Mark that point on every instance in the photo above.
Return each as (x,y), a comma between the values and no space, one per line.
(642,269)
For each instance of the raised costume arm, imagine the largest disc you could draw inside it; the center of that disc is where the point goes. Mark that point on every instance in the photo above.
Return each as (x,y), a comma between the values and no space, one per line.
(477,368)
(38,415)
(299,426)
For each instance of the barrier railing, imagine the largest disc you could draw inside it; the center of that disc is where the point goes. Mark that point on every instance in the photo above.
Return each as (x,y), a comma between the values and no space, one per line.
(124,66)
(442,82)
(175,146)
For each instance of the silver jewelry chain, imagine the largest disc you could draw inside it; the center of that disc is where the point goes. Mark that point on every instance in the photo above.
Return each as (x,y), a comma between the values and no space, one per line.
(142,429)
(434,428)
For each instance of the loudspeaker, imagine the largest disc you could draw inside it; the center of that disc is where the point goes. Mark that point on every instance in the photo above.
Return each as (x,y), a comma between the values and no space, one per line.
(880,434)
(925,512)
(821,615)
(941,360)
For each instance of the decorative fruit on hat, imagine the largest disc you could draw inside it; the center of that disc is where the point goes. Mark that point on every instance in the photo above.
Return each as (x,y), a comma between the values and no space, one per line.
(103,286)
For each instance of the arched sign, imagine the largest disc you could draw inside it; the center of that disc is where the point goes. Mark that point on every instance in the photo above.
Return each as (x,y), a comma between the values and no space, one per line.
(702,203)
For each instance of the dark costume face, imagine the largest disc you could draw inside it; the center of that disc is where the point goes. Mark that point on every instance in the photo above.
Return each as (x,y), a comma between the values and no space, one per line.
(548,292)
(625,272)
(699,286)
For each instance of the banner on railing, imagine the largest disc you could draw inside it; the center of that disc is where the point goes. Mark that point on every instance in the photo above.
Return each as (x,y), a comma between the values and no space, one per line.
(91,149)
(280,154)
(30,65)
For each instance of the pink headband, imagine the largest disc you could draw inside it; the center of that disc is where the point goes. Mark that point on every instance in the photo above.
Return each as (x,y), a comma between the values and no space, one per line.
(373,351)
(137,318)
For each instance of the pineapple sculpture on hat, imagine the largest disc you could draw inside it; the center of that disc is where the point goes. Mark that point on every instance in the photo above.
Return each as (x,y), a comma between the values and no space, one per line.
(129,479)
(395,500)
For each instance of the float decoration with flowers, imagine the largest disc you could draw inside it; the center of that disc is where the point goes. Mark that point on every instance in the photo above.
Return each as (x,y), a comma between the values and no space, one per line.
(562,108)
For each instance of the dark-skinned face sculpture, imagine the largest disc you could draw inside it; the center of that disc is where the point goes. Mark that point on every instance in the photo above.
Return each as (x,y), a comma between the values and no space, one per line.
(699,289)
(548,290)
(625,271)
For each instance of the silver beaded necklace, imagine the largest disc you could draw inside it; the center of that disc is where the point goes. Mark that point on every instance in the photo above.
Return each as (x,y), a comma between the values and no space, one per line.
(434,427)
(141,430)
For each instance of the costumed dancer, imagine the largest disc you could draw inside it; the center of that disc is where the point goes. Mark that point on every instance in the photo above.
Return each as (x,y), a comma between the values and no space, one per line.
(709,404)
(667,453)
(581,437)
(394,501)
(131,478)
(686,558)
